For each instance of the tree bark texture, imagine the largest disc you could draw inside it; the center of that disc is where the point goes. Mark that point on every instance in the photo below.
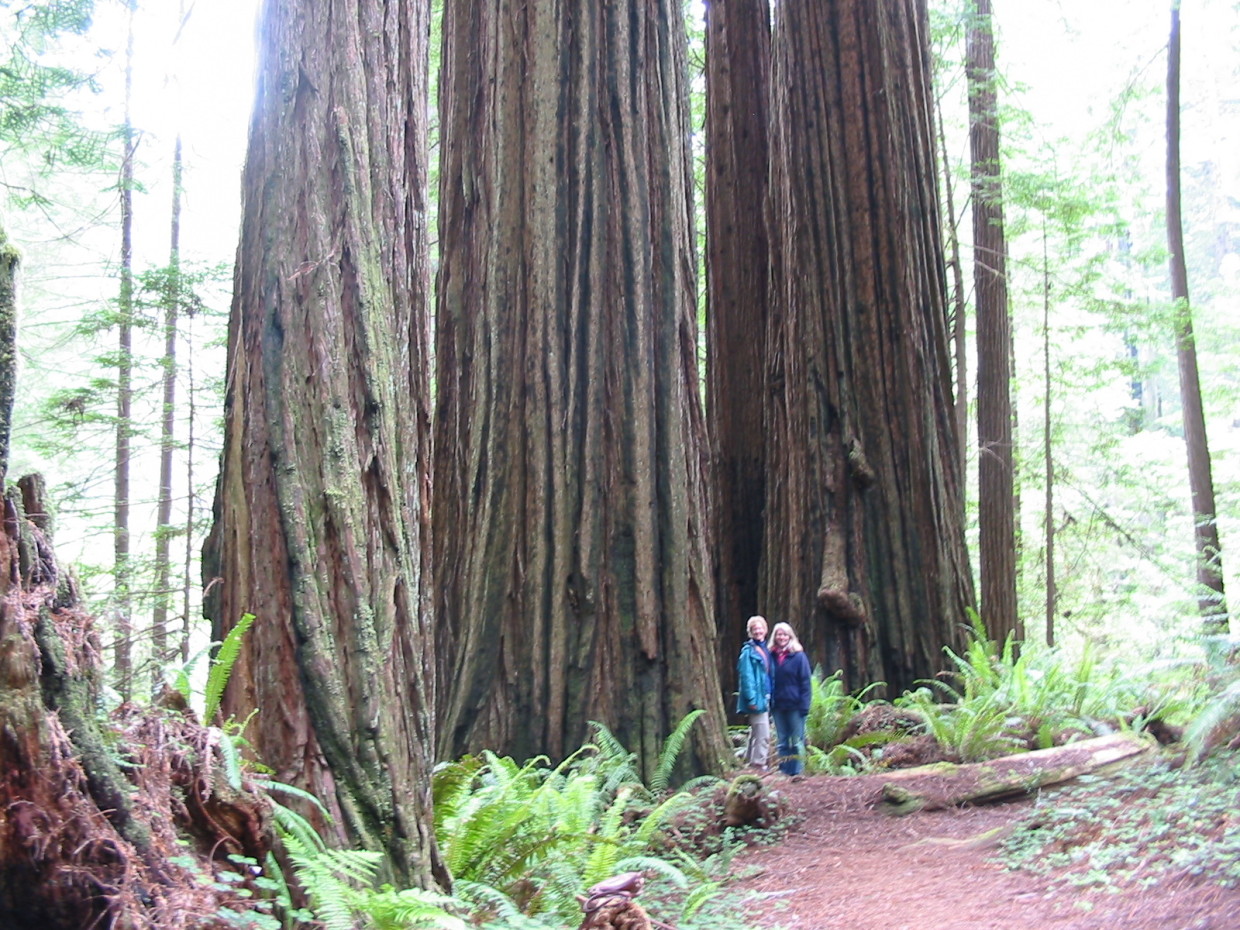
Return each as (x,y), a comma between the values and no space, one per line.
(573,576)
(321,527)
(738,50)
(1211,599)
(995,467)
(865,551)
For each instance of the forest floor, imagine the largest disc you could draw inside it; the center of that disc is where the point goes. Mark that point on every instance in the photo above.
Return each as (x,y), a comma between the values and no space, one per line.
(843,863)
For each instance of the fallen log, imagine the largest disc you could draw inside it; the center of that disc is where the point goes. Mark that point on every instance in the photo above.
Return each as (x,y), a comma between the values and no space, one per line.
(944,785)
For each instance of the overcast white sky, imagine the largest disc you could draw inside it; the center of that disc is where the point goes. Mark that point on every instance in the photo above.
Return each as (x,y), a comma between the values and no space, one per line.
(198,79)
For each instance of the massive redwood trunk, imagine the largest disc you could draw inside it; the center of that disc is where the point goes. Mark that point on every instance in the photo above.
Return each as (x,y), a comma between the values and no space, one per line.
(738,54)
(865,550)
(572,572)
(321,524)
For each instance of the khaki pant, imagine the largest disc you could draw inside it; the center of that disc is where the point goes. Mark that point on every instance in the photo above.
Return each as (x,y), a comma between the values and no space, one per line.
(758,749)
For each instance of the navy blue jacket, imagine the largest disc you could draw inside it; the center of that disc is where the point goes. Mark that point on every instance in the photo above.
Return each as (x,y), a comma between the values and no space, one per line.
(792,690)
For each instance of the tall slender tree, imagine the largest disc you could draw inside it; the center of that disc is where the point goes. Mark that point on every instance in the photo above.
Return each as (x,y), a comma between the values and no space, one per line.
(1211,600)
(321,522)
(995,468)
(1048,459)
(738,52)
(122,603)
(957,317)
(9,262)
(572,574)
(167,439)
(865,548)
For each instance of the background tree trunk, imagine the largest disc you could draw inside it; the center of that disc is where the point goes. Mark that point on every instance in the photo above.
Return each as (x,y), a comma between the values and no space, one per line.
(167,438)
(865,549)
(121,601)
(1211,600)
(996,473)
(573,576)
(957,317)
(321,523)
(738,51)
(9,262)
(1048,458)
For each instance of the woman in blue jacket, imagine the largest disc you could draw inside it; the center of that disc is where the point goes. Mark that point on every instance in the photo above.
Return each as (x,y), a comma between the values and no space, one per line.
(790,697)
(753,693)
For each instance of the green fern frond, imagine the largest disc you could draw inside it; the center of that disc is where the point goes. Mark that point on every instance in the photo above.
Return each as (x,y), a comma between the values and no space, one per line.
(481,896)
(1215,719)
(700,783)
(614,761)
(182,678)
(283,894)
(451,786)
(653,865)
(408,909)
(503,913)
(672,747)
(608,841)
(222,666)
(650,824)
(697,898)
(580,804)
(330,878)
(293,825)
(269,785)
(229,756)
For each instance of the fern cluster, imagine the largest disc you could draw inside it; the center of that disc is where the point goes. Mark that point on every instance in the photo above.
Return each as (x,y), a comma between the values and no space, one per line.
(831,709)
(523,840)
(1027,696)
(995,700)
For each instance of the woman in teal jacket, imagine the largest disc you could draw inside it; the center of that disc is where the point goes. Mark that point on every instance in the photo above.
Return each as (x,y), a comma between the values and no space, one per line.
(753,696)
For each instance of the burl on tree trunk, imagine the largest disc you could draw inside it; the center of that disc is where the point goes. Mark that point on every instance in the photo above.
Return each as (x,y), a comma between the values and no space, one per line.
(83,842)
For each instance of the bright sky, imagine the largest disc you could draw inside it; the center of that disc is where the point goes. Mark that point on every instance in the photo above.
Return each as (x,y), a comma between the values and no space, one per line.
(198,78)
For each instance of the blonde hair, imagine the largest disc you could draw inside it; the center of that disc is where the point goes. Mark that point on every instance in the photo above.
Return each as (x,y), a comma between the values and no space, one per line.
(794,644)
(754,621)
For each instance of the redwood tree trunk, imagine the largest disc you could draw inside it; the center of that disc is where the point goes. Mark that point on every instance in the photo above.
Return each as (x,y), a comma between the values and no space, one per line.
(572,574)
(1211,600)
(865,549)
(996,476)
(321,523)
(738,50)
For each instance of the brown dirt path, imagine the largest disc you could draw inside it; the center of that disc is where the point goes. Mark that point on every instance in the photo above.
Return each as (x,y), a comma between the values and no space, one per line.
(847,865)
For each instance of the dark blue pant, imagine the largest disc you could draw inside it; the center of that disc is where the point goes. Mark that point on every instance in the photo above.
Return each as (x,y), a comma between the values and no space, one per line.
(790,728)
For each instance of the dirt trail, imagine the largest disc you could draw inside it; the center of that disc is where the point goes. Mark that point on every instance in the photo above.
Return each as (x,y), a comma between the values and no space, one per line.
(847,865)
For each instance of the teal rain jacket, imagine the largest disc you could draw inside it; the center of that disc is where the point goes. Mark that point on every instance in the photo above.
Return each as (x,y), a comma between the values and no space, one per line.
(753,675)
